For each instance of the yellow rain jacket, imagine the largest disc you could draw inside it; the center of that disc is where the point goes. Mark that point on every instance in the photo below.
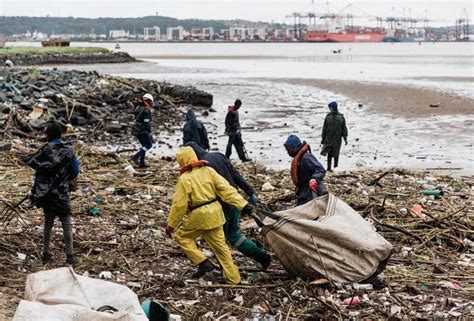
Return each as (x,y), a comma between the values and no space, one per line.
(201,185)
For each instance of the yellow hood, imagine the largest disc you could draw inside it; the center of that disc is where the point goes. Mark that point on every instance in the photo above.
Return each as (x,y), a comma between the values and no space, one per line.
(186,156)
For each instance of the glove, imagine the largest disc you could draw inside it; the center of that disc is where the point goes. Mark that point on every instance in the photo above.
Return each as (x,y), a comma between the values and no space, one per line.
(313,185)
(345,141)
(248,209)
(169,231)
(253,199)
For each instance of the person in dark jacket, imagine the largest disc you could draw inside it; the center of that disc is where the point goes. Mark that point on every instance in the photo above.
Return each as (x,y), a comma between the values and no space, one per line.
(306,172)
(56,166)
(221,164)
(194,131)
(232,129)
(334,130)
(142,129)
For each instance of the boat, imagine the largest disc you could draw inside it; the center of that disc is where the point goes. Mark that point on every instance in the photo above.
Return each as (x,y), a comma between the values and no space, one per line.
(333,29)
(55,43)
(347,35)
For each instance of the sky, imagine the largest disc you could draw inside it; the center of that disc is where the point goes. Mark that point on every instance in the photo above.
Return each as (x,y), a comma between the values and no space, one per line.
(442,12)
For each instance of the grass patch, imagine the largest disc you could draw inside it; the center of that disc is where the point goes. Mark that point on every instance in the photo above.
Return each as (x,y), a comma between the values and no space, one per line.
(7,51)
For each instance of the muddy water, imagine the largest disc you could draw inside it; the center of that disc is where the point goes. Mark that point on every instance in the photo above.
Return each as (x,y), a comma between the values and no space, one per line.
(274,109)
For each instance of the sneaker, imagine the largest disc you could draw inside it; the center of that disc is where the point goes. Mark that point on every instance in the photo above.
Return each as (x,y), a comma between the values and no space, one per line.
(46,258)
(71,260)
(265,262)
(245,160)
(203,268)
(135,160)
(144,164)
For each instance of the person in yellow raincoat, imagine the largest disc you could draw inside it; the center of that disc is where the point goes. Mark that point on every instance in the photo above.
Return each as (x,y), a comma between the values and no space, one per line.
(196,206)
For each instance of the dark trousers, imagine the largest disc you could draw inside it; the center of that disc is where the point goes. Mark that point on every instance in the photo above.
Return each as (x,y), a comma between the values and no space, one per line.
(236,140)
(330,157)
(145,141)
(63,211)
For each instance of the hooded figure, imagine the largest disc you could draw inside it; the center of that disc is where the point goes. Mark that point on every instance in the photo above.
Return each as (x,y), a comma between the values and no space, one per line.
(194,131)
(56,166)
(196,212)
(334,130)
(224,167)
(306,172)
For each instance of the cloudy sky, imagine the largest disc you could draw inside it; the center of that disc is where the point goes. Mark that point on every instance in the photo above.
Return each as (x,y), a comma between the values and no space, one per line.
(444,12)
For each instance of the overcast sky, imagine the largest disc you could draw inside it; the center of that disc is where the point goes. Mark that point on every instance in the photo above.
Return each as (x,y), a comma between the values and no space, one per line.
(257,10)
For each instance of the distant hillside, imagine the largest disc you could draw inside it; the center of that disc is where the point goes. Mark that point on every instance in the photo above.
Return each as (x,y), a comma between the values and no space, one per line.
(48,25)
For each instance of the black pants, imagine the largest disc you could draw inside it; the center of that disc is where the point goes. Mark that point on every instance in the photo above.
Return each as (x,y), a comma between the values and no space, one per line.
(146,142)
(62,210)
(236,140)
(330,157)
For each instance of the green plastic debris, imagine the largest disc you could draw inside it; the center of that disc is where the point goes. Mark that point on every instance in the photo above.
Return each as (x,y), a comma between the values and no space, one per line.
(435,192)
(155,311)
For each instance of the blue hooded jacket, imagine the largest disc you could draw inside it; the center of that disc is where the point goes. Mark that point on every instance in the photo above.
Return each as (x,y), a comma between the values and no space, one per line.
(194,131)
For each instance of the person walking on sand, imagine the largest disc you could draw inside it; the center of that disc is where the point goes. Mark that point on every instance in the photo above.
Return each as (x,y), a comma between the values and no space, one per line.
(195,131)
(196,212)
(233,130)
(334,130)
(142,129)
(224,167)
(306,172)
(56,166)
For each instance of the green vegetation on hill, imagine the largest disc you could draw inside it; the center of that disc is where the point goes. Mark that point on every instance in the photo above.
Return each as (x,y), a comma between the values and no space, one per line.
(8,51)
(70,25)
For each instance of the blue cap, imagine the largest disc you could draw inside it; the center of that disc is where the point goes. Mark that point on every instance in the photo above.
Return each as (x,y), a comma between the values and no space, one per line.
(333,106)
(293,142)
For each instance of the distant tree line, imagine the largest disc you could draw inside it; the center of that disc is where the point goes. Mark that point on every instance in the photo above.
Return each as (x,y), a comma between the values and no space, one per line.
(70,25)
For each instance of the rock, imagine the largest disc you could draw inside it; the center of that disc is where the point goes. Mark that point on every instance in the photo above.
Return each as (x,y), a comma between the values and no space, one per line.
(4,109)
(17,99)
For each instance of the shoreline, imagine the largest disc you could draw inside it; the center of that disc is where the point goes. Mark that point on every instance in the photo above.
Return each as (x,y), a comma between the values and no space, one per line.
(393,99)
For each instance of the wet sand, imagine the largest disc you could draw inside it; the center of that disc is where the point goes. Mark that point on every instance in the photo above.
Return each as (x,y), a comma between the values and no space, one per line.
(394,99)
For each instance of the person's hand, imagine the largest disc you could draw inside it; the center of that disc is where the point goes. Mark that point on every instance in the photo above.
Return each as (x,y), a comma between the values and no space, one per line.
(313,185)
(253,199)
(248,209)
(345,141)
(169,231)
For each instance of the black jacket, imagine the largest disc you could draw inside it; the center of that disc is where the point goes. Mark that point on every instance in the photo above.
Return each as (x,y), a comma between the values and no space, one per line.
(309,168)
(232,123)
(55,165)
(223,167)
(142,124)
(194,131)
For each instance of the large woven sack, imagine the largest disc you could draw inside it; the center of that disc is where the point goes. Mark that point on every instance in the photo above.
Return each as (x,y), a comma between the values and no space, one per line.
(63,295)
(327,238)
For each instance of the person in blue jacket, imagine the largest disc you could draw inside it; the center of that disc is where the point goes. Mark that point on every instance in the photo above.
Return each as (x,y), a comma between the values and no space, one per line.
(307,173)
(142,129)
(195,131)
(56,168)
(222,165)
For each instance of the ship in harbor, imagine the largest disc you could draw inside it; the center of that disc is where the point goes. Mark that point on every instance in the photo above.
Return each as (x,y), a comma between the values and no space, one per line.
(333,29)
(345,35)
